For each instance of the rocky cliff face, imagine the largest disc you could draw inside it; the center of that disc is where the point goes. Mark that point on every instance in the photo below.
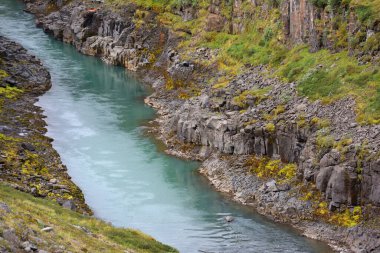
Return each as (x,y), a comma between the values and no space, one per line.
(216,121)
(332,27)
(319,27)
(248,115)
(299,18)
(112,36)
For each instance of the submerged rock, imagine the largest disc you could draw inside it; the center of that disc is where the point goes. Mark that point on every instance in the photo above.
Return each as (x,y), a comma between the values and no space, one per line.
(229,218)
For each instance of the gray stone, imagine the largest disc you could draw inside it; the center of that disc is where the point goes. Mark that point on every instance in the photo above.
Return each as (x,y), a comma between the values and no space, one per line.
(271,186)
(333,206)
(47,229)
(28,246)
(10,236)
(4,207)
(337,187)
(69,204)
(28,146)
(323,178)
(53,181)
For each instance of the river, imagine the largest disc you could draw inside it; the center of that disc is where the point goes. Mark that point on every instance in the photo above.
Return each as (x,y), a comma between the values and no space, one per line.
(95,114)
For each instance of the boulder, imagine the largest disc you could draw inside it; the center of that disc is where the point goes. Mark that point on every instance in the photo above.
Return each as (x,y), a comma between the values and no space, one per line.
(338,186)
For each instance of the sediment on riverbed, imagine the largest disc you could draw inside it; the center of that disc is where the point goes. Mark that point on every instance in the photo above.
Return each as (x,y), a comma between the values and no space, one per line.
(300,161)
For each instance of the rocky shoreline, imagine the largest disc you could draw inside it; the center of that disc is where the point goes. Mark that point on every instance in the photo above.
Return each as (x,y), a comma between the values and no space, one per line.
(282,203)
(232,127)
(28,161)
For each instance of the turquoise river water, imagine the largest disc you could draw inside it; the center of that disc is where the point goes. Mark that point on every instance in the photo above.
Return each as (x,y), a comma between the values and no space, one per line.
(95,114)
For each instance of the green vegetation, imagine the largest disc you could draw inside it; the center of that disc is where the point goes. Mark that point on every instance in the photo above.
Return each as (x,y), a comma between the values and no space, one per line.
(320,123)
(362,154)
(328,76)
(343,144)
(7,92)
(157,5)
(347,217)
(270,128)
(3,74)
(32,164)
(324,142)
(322,75)
(10,92)
(75,232)
(20,165)
(368,11)
(257,95)
(266,168)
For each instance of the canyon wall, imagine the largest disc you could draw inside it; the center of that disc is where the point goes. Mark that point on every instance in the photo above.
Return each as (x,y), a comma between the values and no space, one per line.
(213,119)
(250,114)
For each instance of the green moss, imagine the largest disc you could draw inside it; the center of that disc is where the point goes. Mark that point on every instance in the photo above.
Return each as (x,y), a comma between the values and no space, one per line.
(266,168)
(301,121)
(346,218)
(342,146)
(366,10)
(320,123)
(257,95)
(322,75)
(270,128)
(221,85)
(7,138)
(3,74)
(10,92)
(324,142)
(362,153)
(279,110)
(251,122)
(148,4)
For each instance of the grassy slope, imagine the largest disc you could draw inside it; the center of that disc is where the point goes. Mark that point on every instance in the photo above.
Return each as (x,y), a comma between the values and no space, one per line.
(322,75)
(33,213)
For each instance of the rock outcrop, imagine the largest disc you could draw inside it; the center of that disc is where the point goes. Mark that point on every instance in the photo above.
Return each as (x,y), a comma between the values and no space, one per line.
(331,156)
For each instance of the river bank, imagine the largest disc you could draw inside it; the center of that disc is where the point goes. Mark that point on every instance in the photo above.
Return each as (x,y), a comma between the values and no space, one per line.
(227,120)
(28,161)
